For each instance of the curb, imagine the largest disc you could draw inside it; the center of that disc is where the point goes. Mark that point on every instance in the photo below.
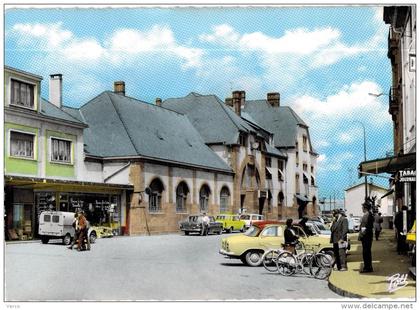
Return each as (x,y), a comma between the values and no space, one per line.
(343,292)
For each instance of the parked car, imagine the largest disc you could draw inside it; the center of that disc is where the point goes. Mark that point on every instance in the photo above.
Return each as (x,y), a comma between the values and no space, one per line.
(194,223)
(58,225)
(249,218)
(263,235)
(230,222)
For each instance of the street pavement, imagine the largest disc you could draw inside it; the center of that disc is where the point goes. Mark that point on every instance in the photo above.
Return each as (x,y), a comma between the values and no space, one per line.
(162,267)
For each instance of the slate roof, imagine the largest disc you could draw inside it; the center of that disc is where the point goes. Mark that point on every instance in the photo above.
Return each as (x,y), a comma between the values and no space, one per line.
(212,118)
(281,121)
(123,126)
(50,110)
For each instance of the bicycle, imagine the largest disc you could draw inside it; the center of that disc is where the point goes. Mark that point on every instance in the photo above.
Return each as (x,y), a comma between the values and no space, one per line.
(269,258)
(318,265)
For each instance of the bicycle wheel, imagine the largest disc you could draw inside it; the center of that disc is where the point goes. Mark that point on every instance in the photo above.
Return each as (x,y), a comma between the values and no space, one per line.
(269,260)
(300,248)
(321,266)
(305,260)
(286,264)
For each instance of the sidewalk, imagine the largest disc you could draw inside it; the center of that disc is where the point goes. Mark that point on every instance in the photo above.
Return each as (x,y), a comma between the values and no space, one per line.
(386,262)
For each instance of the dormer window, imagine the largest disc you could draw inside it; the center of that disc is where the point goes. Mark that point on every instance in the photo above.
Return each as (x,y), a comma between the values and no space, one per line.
(22,94)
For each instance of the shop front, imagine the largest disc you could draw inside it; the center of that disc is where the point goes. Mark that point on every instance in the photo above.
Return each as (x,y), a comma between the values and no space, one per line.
(25,199)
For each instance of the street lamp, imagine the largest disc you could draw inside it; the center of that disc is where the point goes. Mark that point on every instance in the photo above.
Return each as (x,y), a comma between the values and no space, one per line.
(364,151)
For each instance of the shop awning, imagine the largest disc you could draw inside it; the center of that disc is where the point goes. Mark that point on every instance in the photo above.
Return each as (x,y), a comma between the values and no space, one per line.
(281,172)
(388,193)
(302,197)
(388,164)
(63,185)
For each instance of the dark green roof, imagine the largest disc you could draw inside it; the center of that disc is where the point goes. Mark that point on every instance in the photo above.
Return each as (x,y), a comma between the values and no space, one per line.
(281,121)
(50,110)
(121,126)
(213,119)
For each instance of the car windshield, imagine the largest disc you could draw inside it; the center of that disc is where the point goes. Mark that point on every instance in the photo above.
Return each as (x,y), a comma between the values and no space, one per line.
(245,217)
(315,230)
(194,218)
(252,231)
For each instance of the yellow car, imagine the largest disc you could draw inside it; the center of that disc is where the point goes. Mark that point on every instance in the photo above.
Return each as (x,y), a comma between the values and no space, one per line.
(263,235)
(230,222)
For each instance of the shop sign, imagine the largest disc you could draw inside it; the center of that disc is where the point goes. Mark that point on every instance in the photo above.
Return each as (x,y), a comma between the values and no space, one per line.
(407,175)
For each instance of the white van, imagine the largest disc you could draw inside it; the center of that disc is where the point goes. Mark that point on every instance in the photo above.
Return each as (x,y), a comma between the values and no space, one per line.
(58,225)
(249,218)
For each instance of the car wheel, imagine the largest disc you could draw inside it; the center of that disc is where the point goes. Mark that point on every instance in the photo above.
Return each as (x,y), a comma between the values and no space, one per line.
(253,258)
(92,237)
(45,240)
(186,233)
(66,239)
(243,229)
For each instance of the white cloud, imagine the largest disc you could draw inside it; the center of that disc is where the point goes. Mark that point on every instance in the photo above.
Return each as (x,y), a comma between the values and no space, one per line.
(334,163)
(351,135)
(114,50)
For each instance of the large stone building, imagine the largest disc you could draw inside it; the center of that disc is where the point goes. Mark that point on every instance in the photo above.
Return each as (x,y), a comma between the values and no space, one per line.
(141,168)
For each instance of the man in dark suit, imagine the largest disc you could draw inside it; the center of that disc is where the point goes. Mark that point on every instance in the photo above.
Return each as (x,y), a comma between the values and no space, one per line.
(339,230)
(366,236)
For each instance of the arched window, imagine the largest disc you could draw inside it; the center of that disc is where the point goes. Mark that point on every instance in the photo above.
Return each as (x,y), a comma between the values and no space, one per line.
(224,199)
(280,199)
(204,198)
(155,196)
(181,197)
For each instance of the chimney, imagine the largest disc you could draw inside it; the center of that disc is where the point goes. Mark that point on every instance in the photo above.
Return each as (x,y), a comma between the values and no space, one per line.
(119,87)
(238,100)
(229,102)
(273,99)
(55,91)
(158,102)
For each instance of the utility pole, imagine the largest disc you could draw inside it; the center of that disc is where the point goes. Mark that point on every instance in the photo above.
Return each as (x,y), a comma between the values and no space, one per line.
(364,151)
(330,203)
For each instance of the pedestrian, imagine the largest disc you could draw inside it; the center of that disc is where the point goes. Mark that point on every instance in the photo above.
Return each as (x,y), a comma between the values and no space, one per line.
(83,231)
(75,225)
(290,237)
(305,227)
(378,225)
(401,234)
(205,225)
(339,230)
(366,236)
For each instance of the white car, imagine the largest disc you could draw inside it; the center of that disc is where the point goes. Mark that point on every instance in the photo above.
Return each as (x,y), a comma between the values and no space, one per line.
(354,224)
(249,218)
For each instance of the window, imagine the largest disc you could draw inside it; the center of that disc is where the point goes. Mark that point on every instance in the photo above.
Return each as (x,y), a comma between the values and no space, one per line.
(155,196)
(181,197)
(305,143)
(268,161)
(297,159)
(47,218)
(270,232)
(21,144)
(312,181)
(60,150)
(204,198)
(22,94)
(55,218)
(305,167)
(312,169)
(224,199)
(270,201)
(281,171)
(268,175)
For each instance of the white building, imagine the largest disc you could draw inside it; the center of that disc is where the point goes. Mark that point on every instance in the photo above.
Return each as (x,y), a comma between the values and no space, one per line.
(354,197)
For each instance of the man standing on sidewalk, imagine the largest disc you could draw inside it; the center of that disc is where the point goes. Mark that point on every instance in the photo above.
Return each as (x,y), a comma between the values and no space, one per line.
(366,236)
(339,230)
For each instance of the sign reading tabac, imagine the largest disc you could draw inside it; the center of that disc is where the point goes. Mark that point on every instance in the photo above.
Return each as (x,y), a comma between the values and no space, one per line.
(407,175)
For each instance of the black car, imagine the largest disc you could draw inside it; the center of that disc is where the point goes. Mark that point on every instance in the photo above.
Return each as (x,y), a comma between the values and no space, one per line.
(194,223)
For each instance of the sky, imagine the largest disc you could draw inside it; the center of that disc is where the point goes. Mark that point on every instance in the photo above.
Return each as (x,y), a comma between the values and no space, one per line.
(326,62)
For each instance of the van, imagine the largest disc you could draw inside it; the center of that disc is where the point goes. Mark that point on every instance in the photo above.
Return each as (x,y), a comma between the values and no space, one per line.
(58,225)
(249,218)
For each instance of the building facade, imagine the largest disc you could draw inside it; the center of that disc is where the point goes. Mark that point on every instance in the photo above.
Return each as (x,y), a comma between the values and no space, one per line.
(140,168)
(355,195)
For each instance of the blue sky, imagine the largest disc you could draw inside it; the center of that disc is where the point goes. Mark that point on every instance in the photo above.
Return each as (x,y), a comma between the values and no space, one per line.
(323,60)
